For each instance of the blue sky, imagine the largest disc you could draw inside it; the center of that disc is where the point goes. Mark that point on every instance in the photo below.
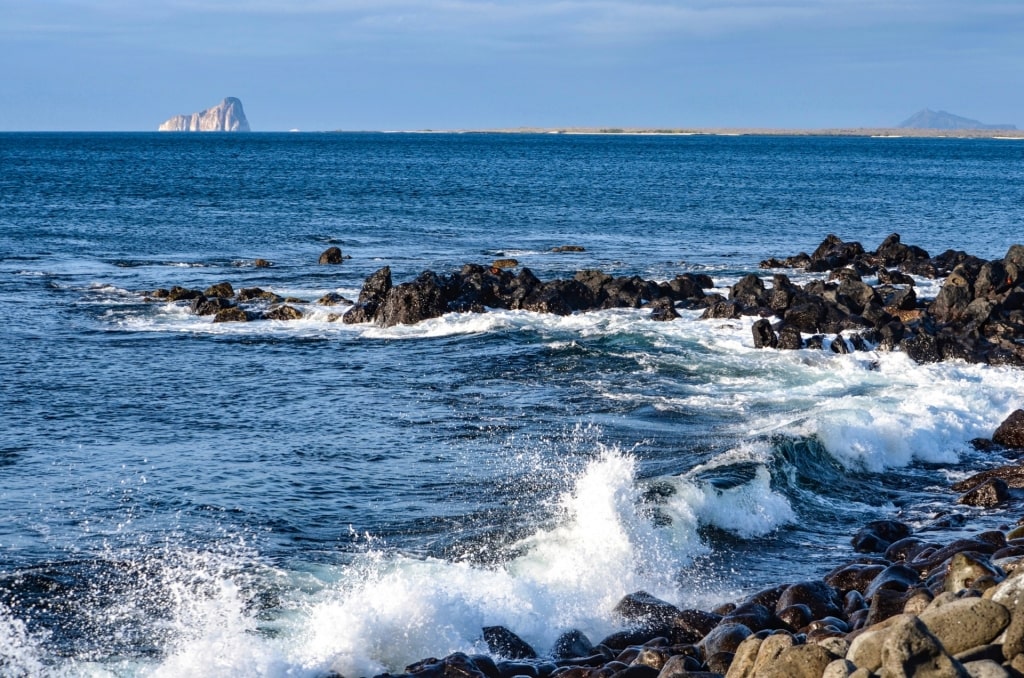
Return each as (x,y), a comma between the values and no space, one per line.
(446,64)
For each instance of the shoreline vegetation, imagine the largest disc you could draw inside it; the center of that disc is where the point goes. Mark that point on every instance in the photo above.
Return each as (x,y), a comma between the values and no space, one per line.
(880,132)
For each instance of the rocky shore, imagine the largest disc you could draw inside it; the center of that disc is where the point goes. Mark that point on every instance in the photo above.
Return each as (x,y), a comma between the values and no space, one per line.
(863,300)
(901,604)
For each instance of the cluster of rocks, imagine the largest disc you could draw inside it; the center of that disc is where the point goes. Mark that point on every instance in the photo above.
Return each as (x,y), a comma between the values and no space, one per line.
(475,288)
(247,304)
(902,605)
(978,314)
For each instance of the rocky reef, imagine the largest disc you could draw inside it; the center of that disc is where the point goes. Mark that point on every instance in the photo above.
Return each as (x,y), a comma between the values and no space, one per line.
(978,314)
(227,116)
(863,301)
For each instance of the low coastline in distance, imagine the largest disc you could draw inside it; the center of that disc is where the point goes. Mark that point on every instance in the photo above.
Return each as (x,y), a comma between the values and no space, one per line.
(882,132)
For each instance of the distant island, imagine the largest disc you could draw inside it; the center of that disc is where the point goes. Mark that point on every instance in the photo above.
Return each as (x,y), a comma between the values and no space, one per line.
(929,119)
(227,116)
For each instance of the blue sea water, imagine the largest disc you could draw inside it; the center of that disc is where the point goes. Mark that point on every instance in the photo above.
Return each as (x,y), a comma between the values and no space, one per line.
(276,498)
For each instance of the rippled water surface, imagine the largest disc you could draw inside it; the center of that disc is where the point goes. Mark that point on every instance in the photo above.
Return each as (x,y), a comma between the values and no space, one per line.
(291,498)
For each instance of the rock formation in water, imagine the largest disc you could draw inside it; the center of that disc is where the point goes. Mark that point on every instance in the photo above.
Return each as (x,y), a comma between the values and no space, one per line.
(927,119)
(227,116)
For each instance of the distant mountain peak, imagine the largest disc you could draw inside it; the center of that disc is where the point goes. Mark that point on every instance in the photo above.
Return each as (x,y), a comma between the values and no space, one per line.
(227,116)
(929,119)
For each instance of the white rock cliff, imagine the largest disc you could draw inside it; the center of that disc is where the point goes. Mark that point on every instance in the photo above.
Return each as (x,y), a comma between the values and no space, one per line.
(227,116)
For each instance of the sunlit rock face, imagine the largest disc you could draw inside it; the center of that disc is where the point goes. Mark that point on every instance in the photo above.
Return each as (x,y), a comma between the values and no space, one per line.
(227,116)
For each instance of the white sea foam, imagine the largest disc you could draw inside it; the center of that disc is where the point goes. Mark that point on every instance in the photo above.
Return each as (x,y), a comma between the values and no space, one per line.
(385,610)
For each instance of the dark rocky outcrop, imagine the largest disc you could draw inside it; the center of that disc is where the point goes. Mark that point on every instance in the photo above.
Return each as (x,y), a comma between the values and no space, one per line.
(331,255)
(1011,432)
(977,315)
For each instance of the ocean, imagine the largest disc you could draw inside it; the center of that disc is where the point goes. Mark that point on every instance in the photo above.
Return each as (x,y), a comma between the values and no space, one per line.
(295,498)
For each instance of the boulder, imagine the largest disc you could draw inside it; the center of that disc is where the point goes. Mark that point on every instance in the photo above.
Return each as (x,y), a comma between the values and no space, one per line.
(413,302)
(231,315)
(725,637)
(502,642)
(331,255)
(799,661)
(283,312)
(876,536)
(1011,432)
(178,293)
(965,623)
(817,595)
(222,289)
(896,577)
(572,644)
(458,665)
(332,299)
(910,649)
(764,335)
(1013,476)
(988,494)
(209,306)
(663,309)
(644,608)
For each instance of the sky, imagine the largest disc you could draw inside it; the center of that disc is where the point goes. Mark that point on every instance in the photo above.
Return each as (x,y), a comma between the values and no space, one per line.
(128,65)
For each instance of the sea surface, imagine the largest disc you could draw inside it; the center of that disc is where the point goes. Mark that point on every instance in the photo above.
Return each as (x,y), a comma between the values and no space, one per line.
(291,498)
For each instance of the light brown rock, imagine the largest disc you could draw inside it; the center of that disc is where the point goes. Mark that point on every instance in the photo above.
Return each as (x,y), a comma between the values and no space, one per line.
(746,655)
(771,648)
(799,661)
(911,650)
(839,668)
(969,622)
(986,668)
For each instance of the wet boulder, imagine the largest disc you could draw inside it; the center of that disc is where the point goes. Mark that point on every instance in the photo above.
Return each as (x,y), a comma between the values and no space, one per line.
(413,302)
(898,578)
(790,338)
(642,607)
(663,309)
(821,598)
(721,310)
(222,289)
(764,335)
(178,293)
(1011,432)
(834,253)
(332,299)
(725,637)
(987,494)
(688,286)
(283,312)
(749,292)
(572,644)
(458,665)
(203,305)
(331,255)
(876,536)
(372,295)
(231,315)
(505,643)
